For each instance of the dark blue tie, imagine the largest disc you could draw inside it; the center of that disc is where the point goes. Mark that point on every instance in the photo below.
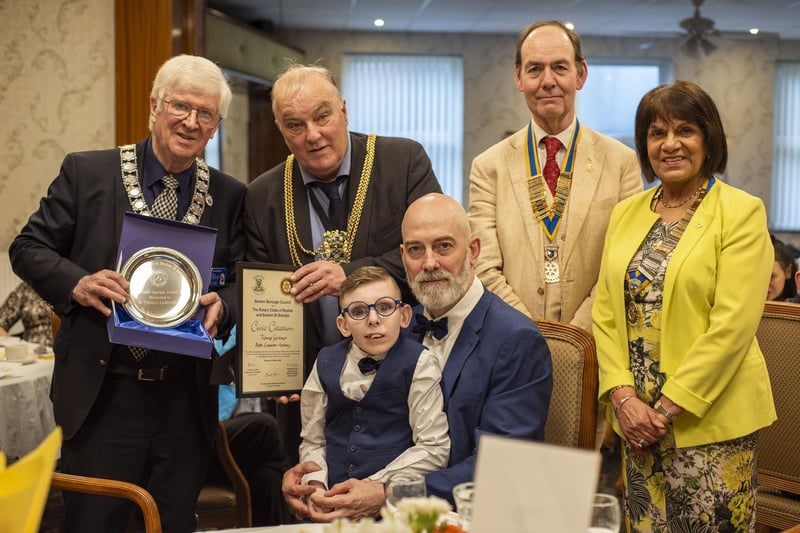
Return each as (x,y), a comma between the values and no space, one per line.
(368,364)
(438,327)
(336,208)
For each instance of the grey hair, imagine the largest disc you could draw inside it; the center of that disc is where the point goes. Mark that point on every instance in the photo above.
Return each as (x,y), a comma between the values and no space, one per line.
(192,73)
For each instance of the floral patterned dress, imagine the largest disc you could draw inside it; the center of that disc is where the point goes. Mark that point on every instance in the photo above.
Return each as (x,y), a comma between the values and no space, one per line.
(709,488)
(36,315)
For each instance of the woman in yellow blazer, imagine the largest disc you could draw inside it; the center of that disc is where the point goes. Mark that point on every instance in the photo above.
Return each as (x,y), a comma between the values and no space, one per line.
(685,269)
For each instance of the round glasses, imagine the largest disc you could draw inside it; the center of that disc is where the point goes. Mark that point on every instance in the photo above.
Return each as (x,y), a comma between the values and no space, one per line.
(181,110)
(360,310)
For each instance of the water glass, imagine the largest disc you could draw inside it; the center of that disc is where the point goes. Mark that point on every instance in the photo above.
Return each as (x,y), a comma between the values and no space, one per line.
(605,514)
(404,485)
(463,495)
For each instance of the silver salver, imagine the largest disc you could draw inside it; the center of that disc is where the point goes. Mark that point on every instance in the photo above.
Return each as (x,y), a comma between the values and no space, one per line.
(165,287)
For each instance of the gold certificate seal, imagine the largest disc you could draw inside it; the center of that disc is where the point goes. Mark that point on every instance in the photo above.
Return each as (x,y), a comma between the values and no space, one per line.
(286,285)
(165,287)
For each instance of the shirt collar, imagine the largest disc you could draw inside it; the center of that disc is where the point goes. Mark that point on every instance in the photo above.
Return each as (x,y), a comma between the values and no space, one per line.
(563,136)
(459,312)
(344,168)
(355,353)
(154,170)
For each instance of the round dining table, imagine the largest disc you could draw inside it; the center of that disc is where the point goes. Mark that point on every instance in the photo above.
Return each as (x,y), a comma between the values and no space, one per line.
(26,412)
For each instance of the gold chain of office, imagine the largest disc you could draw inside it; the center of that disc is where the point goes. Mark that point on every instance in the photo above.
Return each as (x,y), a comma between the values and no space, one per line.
(336,245)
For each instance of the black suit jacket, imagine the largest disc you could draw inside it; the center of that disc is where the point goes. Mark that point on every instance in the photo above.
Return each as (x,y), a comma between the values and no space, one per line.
(76,232)
(401,173)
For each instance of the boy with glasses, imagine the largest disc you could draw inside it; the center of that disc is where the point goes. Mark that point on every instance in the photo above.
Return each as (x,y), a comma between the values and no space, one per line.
(372,405)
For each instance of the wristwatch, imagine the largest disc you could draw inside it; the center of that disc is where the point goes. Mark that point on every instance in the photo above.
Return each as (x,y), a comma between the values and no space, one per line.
(664,411)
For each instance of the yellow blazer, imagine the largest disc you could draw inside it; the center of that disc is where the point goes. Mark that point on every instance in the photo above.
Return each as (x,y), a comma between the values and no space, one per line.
(714,291)
(511,263)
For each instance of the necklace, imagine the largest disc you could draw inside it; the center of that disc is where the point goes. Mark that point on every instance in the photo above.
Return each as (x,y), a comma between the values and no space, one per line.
(639,279)
(337,245)
(549,218)
(130,179)
(660,197)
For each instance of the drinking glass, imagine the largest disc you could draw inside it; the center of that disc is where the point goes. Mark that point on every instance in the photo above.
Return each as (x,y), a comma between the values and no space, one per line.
(605,514)
(463,494)
(404,485)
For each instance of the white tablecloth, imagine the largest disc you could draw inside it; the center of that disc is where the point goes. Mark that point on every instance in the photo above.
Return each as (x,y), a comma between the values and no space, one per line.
(26,412)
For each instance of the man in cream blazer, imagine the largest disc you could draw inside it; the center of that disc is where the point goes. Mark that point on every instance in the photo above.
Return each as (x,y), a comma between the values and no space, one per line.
(549,70)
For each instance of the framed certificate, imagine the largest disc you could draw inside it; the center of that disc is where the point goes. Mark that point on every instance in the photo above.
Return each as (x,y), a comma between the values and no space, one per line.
(270,332)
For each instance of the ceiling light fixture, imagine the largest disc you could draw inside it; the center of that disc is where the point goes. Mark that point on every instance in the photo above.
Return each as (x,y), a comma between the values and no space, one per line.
(753,31)
(378,23)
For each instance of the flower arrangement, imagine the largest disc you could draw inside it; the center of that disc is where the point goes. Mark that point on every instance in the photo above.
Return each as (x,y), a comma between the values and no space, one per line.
(413,515)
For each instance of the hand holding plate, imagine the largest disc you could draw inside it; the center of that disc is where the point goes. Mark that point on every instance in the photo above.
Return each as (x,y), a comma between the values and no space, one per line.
(92,289)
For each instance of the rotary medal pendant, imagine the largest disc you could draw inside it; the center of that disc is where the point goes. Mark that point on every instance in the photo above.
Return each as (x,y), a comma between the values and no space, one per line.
(333,247)
(551,271)
(634,313)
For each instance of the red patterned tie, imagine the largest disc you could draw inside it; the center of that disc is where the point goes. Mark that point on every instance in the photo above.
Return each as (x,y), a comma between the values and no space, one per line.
(551,170)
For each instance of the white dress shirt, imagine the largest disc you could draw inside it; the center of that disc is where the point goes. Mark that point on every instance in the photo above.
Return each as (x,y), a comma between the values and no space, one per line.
(426,417)
(455,319)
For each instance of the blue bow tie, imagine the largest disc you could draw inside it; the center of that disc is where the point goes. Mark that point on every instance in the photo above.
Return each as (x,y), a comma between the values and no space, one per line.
(368,364)
(438,327)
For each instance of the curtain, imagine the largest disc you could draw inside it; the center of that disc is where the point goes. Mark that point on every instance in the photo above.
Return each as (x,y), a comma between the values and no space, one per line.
(784,212)
(420,97)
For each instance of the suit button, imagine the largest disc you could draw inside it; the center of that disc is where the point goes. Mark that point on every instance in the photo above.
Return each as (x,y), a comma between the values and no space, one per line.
(353,448)
(540,291)
(351,467)
(358,409)
(357,428)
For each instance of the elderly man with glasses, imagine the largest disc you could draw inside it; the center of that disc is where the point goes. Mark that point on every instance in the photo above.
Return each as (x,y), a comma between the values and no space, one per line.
(145,417)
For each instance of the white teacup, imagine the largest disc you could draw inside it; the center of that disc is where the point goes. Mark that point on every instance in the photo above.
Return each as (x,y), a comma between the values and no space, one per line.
(16,352)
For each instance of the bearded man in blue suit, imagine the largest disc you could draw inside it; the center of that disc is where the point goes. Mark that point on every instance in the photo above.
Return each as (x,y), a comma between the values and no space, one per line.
(497,375)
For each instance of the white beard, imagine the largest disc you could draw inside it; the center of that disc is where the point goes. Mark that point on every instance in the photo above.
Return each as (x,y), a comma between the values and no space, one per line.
(445,295)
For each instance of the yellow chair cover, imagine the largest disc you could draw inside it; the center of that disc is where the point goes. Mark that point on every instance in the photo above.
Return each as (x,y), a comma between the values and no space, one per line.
(24,486)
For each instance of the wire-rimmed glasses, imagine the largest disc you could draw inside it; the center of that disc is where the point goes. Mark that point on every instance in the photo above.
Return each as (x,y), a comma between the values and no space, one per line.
(181,110)
(383,306)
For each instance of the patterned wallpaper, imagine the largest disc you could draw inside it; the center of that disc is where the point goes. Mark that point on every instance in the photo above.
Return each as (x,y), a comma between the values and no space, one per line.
(739,76)
(56,95)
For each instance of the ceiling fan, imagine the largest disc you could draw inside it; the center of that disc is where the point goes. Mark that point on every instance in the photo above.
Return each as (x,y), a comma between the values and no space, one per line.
(698,29)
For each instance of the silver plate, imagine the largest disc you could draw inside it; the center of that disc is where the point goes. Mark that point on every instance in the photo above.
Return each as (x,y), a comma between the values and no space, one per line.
(165,287)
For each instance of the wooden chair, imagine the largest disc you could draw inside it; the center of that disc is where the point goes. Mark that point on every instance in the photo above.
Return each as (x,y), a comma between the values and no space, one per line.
(218,505)
(795,529)
(112,487)
(572,418)
(225,505)
(778,499)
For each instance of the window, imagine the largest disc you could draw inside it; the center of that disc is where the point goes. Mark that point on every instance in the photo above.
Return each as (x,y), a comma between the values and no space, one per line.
(608,101)
(420,97)
(785,188)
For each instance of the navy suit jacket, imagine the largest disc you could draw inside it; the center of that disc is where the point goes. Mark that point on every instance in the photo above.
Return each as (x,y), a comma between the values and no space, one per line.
(497,380)
(76,232)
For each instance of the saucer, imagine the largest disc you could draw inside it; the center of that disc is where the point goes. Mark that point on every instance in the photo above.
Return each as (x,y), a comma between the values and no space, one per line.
(28,359)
